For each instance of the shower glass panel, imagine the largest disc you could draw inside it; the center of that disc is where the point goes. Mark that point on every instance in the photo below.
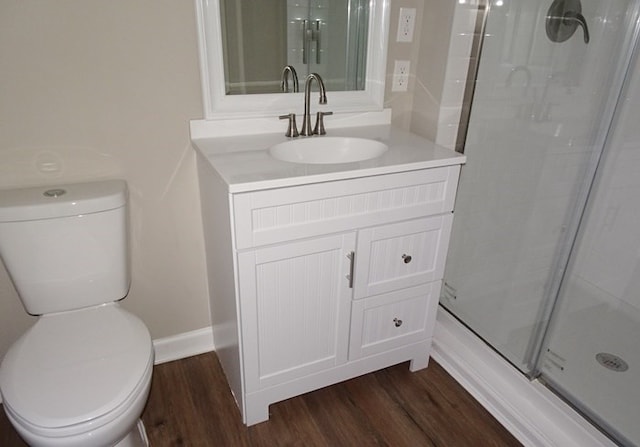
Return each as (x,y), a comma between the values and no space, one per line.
(592,351)
(540,115)
(544,262)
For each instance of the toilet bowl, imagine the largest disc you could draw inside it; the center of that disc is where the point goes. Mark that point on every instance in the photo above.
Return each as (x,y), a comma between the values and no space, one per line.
(81,375)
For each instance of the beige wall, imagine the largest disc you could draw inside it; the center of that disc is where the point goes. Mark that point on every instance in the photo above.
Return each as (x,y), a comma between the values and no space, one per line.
(103,89)
(401,103)
(106,89)
(430,71)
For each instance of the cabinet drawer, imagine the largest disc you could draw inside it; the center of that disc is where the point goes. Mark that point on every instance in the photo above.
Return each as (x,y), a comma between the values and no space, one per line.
(388,321)
(283,214)
(400,255)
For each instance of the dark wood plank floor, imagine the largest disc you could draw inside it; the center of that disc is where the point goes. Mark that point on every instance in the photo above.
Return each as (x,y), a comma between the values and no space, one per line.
(191,405)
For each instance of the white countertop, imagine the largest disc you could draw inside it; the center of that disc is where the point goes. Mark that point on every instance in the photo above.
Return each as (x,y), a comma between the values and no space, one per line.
(244,163)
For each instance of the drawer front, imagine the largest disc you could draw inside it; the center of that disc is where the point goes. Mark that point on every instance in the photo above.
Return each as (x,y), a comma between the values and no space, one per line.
(388,321)
(400,255)
(283,214)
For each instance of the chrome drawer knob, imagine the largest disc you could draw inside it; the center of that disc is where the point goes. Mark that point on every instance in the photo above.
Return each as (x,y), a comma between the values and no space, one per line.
(406,258)
(397,322)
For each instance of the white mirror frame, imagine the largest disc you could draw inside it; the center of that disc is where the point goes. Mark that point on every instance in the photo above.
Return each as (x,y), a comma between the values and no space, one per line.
(219,105)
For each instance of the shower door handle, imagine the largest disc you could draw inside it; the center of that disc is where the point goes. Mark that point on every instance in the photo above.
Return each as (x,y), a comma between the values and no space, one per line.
(580,20)
(306,30)
(310,34)
(316,37)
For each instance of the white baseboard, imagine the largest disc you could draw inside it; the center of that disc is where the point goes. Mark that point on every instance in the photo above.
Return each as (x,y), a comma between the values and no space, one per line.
(531,412)
(183,345)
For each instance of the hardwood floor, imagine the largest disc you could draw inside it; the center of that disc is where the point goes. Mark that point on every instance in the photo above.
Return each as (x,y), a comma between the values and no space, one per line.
(191,405)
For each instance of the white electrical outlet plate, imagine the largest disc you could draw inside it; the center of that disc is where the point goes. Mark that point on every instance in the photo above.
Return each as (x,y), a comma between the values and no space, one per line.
(406,23)
(400,76)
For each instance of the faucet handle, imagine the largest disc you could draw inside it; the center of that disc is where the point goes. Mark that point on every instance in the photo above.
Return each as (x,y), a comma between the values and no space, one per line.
(292,130)
(319,127)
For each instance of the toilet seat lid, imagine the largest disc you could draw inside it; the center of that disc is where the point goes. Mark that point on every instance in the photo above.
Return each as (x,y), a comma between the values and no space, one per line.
(74,367)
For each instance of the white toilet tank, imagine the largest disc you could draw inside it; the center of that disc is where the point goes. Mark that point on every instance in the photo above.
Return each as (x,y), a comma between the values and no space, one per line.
(65,247)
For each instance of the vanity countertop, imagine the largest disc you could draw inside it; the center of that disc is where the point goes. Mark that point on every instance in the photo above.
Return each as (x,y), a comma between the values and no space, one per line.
(244,163)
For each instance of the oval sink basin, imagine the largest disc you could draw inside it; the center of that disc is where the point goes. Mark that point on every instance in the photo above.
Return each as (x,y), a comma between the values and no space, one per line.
(326,150)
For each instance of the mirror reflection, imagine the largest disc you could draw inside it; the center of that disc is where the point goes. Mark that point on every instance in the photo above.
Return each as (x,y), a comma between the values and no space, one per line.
(261,38)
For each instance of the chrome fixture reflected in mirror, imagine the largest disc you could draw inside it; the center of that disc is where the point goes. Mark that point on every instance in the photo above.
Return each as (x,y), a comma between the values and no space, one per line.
(312,34)
(563,18)
(287,71)
(347,46)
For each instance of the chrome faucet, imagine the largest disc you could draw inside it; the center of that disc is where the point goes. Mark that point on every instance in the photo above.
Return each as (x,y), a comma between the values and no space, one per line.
(284,83)
(307,129)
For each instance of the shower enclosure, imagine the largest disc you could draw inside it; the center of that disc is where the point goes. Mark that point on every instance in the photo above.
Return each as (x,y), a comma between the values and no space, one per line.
(544,261)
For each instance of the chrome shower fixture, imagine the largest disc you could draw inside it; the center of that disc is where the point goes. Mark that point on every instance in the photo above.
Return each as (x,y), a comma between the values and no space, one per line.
(563,18)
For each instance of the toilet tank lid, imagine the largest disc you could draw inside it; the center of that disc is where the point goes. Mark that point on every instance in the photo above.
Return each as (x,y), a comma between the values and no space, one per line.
(47,202)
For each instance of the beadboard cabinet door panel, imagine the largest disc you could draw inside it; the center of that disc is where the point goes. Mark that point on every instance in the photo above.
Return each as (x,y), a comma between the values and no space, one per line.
(295,305)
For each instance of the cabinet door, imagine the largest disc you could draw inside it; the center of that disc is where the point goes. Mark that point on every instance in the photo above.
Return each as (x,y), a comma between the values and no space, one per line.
(295,306)
(399,255)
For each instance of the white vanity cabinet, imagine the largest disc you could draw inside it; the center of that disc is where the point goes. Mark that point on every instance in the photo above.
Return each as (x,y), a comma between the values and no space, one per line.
(317,283)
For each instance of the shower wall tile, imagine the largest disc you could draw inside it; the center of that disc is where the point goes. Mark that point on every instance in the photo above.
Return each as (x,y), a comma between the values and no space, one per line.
(453,92)
(460,44)
(447,135)
(449,115)
(457,67)
(465,17)
(456,73)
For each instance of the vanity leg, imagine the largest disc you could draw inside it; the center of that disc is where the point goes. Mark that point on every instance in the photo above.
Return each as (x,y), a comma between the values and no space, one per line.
(418,363)
(256,412)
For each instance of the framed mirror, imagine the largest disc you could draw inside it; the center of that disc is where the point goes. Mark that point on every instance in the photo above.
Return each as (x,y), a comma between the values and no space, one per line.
(245,45)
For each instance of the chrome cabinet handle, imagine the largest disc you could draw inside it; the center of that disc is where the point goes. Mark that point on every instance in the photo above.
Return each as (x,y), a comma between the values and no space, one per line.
(352,261)
(397,322)
(406,258)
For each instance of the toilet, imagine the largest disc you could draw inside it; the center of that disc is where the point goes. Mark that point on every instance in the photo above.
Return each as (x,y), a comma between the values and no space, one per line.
(80,376)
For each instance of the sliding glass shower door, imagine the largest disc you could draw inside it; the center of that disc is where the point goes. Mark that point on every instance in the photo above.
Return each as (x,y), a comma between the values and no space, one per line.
(549,79)
(592,351)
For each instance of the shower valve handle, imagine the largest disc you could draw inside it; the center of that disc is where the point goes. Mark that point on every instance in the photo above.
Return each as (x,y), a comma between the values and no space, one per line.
(563,18)
(578,18)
